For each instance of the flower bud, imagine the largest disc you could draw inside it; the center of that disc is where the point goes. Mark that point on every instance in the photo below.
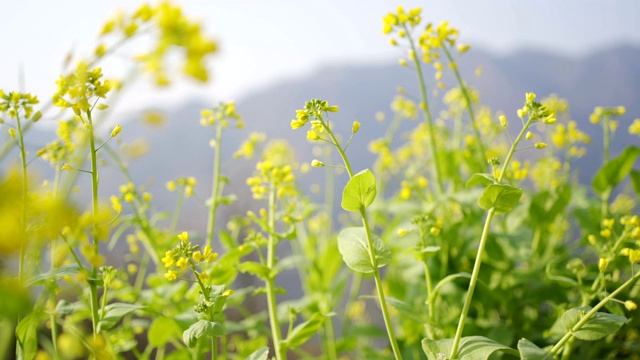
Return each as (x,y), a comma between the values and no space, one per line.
(602,264)
(317,163)
(116,130)
(540,145)
(355,127)
(529,135)
(503,121)
(630,305)
(312,135)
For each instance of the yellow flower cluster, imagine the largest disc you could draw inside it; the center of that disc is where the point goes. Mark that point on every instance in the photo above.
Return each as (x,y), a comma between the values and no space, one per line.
(174,29)
(404,107)
(80,89)
(221,113)
(401,20)
(188,183)
(634,128)
(248,147)
(13,102)
(569,135)
(313,110)
(275,171)
(600,113)
(184,255)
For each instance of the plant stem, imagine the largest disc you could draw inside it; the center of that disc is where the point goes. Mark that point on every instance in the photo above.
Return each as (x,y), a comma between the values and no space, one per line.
(93,288)
(23,161)
(214,348)
(465,93)
(332,353)
(379,289)
(215,187)
(472,284)
(483,241)
(270,283)
(590,314)
(426,112)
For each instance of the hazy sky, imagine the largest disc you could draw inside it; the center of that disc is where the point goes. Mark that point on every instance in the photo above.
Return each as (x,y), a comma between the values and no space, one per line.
(263,41)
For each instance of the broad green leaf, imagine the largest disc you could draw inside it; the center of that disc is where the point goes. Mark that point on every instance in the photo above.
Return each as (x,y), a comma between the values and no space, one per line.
(471,348)
(403,308)
(200,329)
(255,269)
(481,179)
(161,330)
(113,313)
(598,326)
(353,246)
(503,197)
(529,351)
(54,274)
(635,180)
(27,335)
(614,171)
(359,191)
(260,354)
(303,332)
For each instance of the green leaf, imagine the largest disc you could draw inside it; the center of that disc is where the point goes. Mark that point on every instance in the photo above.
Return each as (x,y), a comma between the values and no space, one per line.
(54,274)
(598,326)
(113,313)
(161,330)
(255,269)
(503,197)
(200,329)
(529,351)
(614,171)
(635,180)
(471,348)
(260,354)
(27,335)
(303,332)
(353,246)
(359,191)
(481,179)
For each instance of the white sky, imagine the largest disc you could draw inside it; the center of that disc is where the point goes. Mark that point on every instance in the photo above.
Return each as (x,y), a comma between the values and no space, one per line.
(264,41)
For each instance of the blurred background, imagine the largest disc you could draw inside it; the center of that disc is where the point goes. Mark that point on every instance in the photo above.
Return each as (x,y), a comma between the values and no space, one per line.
(275,55)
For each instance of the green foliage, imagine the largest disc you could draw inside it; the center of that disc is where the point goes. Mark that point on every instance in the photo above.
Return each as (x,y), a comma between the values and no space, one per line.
(437,260)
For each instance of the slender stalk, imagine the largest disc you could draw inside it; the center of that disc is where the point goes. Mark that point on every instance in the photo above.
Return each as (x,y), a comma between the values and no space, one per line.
(214,348)
(215,187)
(332,353)
(590,314)
(483,240)
(270,283)
(379,289)
(426,112)
(467,98)
(93,288)
(23,161)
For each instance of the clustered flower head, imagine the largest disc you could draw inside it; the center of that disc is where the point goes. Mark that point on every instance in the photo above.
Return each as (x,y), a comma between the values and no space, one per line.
(600,113)
(186,183)
(570,136)
(536,111)
(248,147)
(221,114)
(12,102)
(313,110)
(184,255)
(175,30)
(81,89)
(274,171)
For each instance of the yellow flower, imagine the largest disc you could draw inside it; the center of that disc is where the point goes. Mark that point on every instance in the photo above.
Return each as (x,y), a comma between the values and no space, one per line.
(634,256)
(168,259)
(197,256)
(227,293)
(182,263)
(184,237)
(171,275)
(355,127)
(630,305)
(602,264)
(116,130)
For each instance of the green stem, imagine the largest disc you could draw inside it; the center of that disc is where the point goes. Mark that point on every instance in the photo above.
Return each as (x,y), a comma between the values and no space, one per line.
(606,139)
(93,288)
(472,284)
(356,281)
(345,160)
(23,229)
(465,93)
(270,283)
(426,113)
(214,348)
(379,289)
(215,187)
(483,241)
(590,314)
(332,353)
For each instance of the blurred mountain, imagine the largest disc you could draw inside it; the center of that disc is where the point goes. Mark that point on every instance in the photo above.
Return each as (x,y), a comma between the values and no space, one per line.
(610,77)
